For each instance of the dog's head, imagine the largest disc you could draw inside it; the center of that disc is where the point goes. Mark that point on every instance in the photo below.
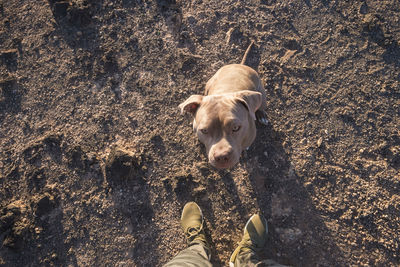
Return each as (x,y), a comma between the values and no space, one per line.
(224,124)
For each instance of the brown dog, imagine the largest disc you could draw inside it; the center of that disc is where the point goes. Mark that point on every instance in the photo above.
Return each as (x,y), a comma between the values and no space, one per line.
(224,117)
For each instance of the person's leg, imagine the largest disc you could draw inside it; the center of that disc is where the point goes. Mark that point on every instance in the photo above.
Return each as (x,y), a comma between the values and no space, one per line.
(251,259)
(253,240)
(198,252)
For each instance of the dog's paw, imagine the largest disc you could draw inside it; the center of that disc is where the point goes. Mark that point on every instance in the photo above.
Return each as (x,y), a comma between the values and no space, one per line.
(261,117)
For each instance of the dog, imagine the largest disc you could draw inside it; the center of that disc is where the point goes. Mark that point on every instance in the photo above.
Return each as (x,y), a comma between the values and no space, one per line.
(224,118)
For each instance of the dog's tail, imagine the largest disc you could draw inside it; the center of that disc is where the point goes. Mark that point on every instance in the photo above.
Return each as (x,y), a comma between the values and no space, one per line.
(246,53)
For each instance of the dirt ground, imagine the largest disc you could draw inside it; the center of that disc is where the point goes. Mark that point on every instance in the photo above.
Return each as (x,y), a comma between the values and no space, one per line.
(97,162)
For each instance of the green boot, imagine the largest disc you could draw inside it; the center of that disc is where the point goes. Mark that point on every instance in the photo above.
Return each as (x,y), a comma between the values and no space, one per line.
(254,237)
(192,223)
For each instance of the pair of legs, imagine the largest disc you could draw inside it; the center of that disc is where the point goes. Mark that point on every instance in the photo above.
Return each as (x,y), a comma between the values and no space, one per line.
(198,252)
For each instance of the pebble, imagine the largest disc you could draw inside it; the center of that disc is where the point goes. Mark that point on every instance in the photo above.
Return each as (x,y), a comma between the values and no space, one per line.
(319,142)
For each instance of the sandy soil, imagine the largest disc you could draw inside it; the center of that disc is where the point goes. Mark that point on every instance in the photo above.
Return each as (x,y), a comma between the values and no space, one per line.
(97,162)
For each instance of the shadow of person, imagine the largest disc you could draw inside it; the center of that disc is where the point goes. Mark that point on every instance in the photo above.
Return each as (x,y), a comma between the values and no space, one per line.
(297,233)
(195,185)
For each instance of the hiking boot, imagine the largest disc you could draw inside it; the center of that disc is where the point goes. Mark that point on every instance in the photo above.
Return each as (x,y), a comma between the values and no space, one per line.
(254,237)
(192,223)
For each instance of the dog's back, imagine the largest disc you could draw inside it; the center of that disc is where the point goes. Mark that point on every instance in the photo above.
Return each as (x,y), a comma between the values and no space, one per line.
(235,78)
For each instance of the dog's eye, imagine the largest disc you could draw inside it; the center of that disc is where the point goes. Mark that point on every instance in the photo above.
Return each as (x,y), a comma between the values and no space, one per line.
(236,128)
(204,131)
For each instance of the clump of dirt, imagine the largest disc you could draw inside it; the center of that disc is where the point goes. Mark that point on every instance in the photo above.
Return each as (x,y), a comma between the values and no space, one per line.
(123,167)
(13,225)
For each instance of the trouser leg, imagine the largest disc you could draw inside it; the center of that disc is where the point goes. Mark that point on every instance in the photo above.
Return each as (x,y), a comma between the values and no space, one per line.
(250,259)
(197,254)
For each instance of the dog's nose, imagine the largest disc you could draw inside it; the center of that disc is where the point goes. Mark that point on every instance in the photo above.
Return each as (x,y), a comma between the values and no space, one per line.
(223,157)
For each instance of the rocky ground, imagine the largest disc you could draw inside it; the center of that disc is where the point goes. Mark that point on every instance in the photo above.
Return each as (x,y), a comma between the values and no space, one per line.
(97,162)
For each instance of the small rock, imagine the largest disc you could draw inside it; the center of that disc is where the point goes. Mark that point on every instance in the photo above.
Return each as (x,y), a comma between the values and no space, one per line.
(319,142)
(228,35)
(288,55)
(199,190)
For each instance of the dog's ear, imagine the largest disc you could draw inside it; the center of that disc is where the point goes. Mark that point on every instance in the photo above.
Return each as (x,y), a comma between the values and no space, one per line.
(252,101)
(191,104)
